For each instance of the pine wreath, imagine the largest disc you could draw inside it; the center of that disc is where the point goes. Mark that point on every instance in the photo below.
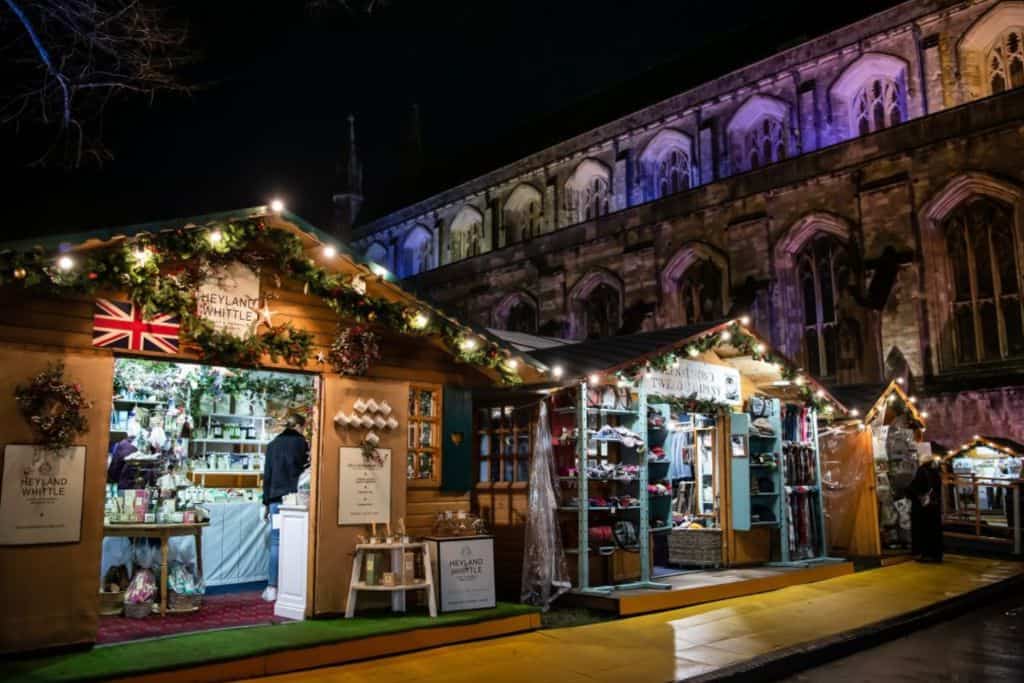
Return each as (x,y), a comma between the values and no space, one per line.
(53,408)
(353,351)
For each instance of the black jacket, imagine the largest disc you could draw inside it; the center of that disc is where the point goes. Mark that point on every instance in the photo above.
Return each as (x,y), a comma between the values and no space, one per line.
(287,456)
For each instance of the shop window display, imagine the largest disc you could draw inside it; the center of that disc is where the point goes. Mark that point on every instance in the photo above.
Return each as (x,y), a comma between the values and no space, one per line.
(423,460)
(186,460)
(504,444)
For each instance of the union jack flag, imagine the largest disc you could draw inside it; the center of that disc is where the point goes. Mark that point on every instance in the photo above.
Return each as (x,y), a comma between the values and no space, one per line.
(120,325)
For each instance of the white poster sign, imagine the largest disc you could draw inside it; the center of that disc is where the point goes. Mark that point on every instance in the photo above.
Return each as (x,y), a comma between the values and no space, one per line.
(364,488)
(465,573)
(924,451)
(41,495)
(229,299)
(702,381)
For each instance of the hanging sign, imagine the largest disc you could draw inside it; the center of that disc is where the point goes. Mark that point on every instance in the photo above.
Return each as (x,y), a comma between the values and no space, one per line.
(229,299)
(697,380)
(364,488)
(41,498)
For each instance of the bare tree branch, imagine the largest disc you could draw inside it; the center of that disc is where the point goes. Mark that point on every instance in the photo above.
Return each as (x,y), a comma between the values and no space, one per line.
(71,58)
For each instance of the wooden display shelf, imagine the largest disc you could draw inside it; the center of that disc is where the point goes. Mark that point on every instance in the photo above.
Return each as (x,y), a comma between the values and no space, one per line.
(254,442)
(363,586)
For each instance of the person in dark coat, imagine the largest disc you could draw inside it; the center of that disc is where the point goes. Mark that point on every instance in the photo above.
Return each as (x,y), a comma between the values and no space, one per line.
(926,512)
(287,456)
(123,472)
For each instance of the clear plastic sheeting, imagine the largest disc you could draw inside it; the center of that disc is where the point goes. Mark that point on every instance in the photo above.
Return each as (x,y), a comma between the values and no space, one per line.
(846,477)
(545,572)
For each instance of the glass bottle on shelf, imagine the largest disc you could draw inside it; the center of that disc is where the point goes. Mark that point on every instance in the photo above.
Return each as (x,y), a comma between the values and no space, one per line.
(218,430)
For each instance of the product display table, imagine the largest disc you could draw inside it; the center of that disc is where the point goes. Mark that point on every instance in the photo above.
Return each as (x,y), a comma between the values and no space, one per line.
(164,532)
(403,582)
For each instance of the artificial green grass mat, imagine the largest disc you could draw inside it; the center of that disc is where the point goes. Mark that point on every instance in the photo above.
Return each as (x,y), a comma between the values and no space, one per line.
(172,652)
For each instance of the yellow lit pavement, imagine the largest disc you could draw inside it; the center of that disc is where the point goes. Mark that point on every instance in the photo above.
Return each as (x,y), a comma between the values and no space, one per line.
(686,642)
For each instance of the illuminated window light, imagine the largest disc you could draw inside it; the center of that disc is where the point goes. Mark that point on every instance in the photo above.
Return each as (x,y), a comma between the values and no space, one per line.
(595,379)
(557,372)
(330,251)
(65,263)
(276,205)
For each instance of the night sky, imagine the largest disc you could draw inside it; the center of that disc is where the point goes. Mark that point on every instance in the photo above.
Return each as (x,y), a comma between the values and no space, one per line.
(494,81)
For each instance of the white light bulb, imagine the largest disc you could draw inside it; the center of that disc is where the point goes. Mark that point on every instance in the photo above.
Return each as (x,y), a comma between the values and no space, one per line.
(854,412)
(420,320)
(924,413)
(467,344)
(744,320)
(692,351)
(215,237)
(330,251)
(142,256)
(276,205)
(725,336)
(557,371)
(819,393)
(759,348)
(799,381)
(913,399)
(378,270)
(595,379)
(899,380)
(512,363)
(65,263)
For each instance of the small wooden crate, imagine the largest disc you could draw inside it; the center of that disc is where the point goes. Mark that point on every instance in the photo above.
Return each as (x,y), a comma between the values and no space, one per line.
(700,547)
(177,602)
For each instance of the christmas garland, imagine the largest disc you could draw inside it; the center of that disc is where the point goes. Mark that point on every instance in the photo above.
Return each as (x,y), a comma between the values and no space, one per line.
(53,408)
(737,337)
(162,271)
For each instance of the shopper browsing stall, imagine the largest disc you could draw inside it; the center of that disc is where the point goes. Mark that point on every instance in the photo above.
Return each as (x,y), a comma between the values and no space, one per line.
(287,457)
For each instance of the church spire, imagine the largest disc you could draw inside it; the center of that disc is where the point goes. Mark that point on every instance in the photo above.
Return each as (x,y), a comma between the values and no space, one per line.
(349,197)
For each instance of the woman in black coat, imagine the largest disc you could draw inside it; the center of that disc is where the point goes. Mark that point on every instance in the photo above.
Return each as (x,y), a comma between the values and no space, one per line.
(926,512)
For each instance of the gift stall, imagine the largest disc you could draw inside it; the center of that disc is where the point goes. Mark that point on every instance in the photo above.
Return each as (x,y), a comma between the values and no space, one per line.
(682,449)
(157,365)
(869,459)
(983,487)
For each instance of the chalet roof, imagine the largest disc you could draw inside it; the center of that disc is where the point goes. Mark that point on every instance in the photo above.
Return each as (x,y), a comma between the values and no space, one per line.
(379,281)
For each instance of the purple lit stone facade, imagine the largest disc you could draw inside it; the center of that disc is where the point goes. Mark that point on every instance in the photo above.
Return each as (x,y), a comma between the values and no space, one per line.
(840,162)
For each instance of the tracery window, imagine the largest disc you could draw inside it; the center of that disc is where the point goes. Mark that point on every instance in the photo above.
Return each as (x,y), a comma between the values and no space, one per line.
(986,307)
(594,198)
(701,292)
(673,173)
(823,271)
(466,236)
(601,312)
(1006,61)
(765,143)
(417,253)
(522,214)
(877,106)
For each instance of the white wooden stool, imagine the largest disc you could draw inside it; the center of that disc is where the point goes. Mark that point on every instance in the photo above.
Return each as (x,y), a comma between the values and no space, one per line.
(403,583)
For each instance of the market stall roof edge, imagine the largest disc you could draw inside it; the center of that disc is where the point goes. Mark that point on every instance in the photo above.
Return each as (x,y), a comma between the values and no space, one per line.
(341,259)
(876,397)
(573,363)
(996,443)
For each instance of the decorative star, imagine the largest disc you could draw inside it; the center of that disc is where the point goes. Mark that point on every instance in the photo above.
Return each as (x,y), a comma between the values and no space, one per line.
(266,315)
(321,357)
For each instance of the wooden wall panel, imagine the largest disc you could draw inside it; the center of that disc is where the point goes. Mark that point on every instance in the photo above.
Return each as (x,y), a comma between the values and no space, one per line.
(50,592)
(335,544)
(424,504)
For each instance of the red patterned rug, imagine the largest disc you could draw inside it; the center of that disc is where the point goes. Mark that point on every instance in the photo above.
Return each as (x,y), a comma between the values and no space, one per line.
(218,611)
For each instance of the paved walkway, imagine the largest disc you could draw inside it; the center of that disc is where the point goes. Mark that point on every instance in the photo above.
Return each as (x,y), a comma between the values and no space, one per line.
(678,644)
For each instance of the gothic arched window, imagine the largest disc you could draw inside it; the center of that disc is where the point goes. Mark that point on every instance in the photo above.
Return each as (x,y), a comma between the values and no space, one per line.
(982,250)
(594,201)
(522,214)
(1006,61)
(878,105)
(823,273)
(700,292)
(601,311)
(466,235)
(417,252)
(522,317)
(765,143)
(673,173)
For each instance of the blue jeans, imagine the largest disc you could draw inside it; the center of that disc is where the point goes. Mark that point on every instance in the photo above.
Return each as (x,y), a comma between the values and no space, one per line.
(275,546)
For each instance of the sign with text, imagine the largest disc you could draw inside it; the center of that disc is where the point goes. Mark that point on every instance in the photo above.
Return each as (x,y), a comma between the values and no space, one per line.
(364,488)
(464,572)
(229,300)
(41,497)
(694,379)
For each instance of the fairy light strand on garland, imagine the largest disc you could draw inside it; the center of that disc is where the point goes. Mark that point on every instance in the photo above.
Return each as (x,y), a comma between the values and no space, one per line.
(161,272)
(736,336)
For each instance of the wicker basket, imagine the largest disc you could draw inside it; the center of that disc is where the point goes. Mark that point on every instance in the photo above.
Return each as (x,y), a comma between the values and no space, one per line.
(180,602)
(701,547)
(138,610)
(111,604)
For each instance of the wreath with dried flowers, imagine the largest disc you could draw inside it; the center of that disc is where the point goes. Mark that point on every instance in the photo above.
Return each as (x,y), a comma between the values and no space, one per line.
(53,408)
